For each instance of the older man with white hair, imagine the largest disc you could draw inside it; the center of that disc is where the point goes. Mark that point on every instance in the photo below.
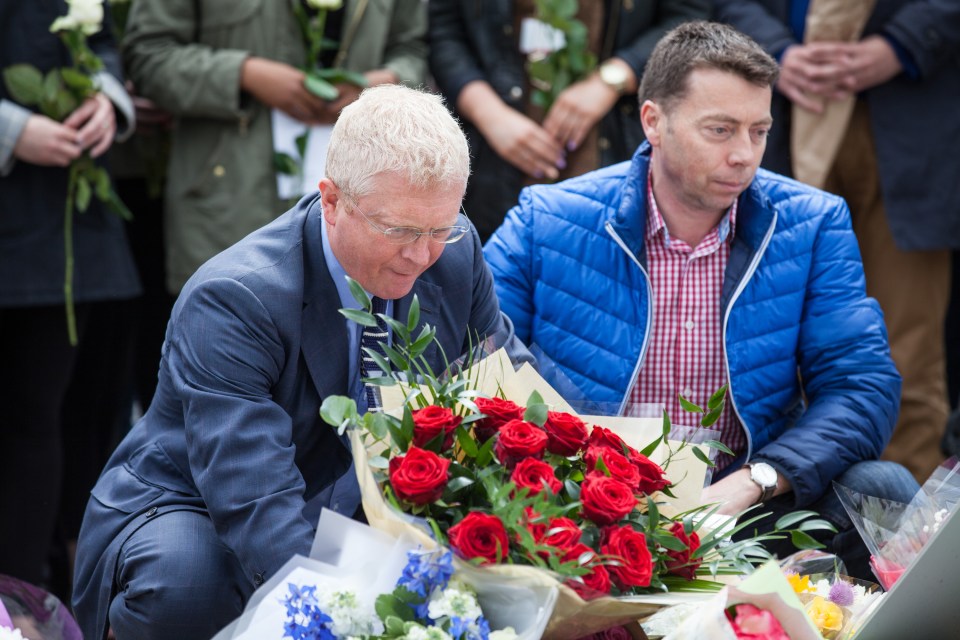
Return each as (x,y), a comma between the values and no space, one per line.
(222,480)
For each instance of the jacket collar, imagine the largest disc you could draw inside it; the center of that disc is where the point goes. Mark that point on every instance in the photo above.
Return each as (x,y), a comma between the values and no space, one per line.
(754,209)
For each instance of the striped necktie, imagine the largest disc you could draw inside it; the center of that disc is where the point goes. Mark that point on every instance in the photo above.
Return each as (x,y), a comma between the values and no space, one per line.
(371,338)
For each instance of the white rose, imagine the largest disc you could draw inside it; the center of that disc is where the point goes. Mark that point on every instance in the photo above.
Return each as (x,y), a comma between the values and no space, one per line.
(10,634)
(88,14)
(503,634)
(331,5)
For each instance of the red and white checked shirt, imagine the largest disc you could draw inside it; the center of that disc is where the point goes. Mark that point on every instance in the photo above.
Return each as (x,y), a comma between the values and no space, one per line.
(685,353)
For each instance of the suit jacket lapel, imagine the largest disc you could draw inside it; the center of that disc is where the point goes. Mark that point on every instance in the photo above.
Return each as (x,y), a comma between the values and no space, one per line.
(323,332)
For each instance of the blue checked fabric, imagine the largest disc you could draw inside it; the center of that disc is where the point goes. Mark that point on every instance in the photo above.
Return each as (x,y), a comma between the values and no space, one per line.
(371,338)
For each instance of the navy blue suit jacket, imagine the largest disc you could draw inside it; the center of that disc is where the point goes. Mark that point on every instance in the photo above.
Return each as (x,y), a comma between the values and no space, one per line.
(254,344)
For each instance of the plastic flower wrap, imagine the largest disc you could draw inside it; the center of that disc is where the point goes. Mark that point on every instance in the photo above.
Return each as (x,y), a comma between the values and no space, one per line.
(761,607)
(895,532)
(29,612)
(361,583)
(836,603)
(495,465)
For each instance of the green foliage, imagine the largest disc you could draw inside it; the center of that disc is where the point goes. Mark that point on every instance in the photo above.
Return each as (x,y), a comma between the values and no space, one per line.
(551,74)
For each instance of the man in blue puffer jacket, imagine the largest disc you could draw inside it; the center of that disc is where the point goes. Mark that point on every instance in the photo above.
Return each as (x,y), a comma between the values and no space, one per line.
(687,268)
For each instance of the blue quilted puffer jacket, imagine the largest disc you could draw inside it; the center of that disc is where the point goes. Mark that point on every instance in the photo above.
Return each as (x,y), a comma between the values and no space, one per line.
(569,266)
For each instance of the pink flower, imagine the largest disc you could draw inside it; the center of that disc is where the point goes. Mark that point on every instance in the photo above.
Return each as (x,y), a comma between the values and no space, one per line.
(751,623)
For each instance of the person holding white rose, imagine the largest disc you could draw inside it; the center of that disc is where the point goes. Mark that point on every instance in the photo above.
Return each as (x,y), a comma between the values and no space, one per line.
(36,359)
(220,67)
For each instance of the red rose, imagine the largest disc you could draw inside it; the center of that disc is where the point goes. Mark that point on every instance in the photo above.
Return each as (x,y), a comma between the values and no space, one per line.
(594,584)
(651,474)
(532,474)
(419,476)
(563,533)
(616,463)
(604,499)
(430,422)
(630,548)
(498,412)
(681,563)
(480,535)
(518,440)
(567,434)
(600,437)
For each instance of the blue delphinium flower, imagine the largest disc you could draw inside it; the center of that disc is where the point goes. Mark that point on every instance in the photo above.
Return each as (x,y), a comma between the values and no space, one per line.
(426,571)
(305,620)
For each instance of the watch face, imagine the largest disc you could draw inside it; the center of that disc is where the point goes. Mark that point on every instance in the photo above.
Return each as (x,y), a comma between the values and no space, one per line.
(763,474)
(613,75)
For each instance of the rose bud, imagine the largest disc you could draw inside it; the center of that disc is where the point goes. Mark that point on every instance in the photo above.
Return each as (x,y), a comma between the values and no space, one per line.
(680,563)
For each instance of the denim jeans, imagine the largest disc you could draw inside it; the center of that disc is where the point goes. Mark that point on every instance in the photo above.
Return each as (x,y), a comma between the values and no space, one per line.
(873,477)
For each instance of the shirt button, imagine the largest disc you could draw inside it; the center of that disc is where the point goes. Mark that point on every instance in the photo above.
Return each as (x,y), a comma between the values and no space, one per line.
(219,171)
(687,393)
(257,579)
(689,324)
(507,29)
(516,93)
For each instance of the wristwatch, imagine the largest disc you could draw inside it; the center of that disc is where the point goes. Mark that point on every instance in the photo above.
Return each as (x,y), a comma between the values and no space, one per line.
(766,478)
(614,76)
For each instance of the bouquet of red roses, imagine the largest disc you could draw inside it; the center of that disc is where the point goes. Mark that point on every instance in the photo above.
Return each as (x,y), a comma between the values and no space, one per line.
(510,486)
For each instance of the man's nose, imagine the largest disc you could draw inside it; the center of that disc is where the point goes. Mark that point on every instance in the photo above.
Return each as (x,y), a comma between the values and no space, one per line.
(418,251)
(741,151)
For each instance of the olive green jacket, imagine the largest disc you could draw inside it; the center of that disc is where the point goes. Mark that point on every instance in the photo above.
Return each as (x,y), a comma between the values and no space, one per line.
(221,183)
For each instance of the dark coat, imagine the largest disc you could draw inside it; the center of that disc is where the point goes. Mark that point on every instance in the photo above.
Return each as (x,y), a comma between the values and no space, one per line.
(916,122)
(475,40)
(32,197)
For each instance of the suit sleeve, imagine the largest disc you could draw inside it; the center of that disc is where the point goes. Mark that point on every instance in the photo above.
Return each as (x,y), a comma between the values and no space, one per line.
(225,355)
(756,21)
(670,13)
(452,60)
(851,383)
(182,76)
(406,49)
(929,31)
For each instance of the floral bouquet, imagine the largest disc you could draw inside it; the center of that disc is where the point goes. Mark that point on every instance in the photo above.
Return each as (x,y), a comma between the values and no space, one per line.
(533,495)
(762,607)
(895,532)
(360,583)
(836,603)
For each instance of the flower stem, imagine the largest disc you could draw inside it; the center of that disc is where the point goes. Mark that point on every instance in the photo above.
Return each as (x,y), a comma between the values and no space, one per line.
(68,254)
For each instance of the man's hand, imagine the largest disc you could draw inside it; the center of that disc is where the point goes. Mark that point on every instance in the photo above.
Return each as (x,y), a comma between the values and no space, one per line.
(577,109)
(47,143)
(738,492)
(812,73)
(734,493)
(280,86)
(150,117)
(96,123)
(870,62)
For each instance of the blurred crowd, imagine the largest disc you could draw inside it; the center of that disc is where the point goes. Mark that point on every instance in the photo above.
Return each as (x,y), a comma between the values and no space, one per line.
(207,79)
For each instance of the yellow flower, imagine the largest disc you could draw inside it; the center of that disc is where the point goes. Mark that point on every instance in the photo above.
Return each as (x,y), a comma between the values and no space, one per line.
(827,616)
(800,584)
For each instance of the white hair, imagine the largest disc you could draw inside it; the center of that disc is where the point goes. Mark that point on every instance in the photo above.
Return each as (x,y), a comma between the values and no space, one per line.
(394,129)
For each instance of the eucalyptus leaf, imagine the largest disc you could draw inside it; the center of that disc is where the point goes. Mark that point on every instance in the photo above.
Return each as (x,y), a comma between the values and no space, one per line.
(702,457)
(336,409)
(359,294)
(717,398)
(689,406)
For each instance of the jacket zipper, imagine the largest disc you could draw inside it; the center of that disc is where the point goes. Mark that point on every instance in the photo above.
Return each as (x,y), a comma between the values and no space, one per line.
(646,331)
(726,317)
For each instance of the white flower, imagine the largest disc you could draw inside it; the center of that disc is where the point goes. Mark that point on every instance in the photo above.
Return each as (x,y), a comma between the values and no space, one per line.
(86,15)
(331,5)
(503,634)
(10,634)
(416,632)
(349,616)
(454,603)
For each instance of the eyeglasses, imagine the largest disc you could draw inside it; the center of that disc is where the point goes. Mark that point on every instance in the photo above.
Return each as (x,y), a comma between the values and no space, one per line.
(407,235)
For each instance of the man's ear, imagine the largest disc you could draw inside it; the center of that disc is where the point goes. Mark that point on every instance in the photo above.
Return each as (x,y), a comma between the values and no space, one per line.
(651,118)
(329,197)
